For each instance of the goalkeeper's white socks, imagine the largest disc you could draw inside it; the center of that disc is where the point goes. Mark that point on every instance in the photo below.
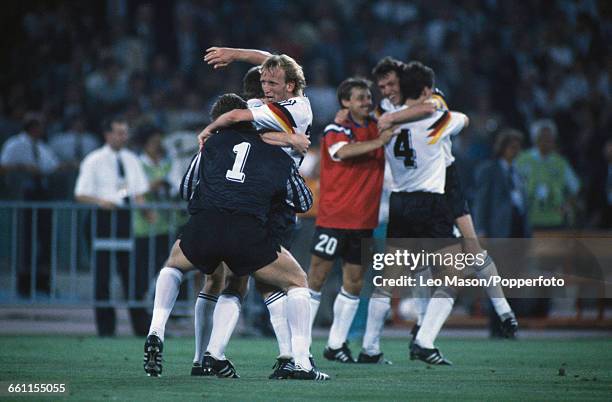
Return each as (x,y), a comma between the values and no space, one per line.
(225,318)
(203,322)
(298,315)
(345,307)
(277,306)
(166,290)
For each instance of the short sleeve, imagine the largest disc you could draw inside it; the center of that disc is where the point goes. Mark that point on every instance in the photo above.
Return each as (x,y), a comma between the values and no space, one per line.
(86,180)
(448,123)
(334,138)
(457,122)
(274,116)
(8,153)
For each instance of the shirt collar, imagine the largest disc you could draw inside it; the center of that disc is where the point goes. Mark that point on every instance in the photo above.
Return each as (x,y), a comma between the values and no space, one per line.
(107,148)
(353,122)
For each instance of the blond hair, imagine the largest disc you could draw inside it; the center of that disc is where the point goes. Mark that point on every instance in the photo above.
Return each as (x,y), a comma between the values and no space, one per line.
(293,71)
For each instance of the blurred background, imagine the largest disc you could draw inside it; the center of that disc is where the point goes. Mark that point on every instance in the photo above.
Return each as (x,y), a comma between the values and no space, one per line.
(542,68)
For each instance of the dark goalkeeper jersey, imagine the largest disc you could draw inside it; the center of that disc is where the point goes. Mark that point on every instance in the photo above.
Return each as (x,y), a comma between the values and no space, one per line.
(240,174)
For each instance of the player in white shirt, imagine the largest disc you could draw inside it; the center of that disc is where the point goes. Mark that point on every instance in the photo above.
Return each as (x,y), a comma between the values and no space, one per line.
(458,206)
(418,207)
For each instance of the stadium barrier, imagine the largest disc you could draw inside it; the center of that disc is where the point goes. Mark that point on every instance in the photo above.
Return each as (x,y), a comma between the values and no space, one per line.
(57,243)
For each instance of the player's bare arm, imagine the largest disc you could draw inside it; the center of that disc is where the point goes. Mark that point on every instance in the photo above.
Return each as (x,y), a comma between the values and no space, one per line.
(415,112)
(220,57)
(225,120)
(298,141)
(357,149)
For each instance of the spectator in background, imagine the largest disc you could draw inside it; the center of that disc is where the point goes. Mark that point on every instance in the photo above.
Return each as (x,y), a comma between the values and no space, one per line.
(27,156)
(322,96)
(500,207)
(501,204)
(113,178)
(600,194)
(551,183)
(8,124)
(72,145)
(108,85)
(151,228)
(27,163)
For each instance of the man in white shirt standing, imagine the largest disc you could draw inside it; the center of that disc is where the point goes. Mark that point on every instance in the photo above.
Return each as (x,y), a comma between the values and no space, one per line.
(27,162)
(112,177)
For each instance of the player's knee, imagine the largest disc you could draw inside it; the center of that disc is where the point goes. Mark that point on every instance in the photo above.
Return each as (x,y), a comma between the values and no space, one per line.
(317,274)
(237,286)
(213,285)
(353,285)
(298,279)
(446,292)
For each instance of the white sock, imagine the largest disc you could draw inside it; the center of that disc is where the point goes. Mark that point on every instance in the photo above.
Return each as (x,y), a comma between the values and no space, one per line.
(277,306)
(495,293)
(225,318)
(345,307)
(421,294)
(203,322)
(166,290)
(377,313)
(315,301)
(298,314)
(438,310)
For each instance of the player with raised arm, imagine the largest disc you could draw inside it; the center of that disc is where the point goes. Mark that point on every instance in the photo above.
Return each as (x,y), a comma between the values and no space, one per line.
(240,175)
(281,223)
(283,108)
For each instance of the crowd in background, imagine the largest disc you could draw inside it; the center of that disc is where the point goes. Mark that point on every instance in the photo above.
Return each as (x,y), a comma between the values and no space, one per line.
(506,64)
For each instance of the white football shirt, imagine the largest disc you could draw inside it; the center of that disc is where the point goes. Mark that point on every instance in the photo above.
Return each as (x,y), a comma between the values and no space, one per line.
(438,100)
(293,115)
(417,157)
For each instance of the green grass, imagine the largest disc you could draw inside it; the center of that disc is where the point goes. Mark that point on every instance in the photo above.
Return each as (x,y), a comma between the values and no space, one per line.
(103,369)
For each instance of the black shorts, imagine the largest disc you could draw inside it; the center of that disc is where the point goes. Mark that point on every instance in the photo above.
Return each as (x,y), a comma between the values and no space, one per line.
(419,215)
(241,241)
(281,224)
(330,244)
(454,193)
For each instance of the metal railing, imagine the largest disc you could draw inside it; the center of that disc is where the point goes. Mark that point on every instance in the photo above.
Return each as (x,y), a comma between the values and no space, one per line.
(48,252)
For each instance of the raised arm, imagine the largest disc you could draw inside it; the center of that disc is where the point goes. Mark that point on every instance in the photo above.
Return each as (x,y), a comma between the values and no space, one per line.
(220,57)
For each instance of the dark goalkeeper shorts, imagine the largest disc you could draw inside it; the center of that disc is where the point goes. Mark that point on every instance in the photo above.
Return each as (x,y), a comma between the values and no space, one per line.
(330,244)
(454,193)
(241,241)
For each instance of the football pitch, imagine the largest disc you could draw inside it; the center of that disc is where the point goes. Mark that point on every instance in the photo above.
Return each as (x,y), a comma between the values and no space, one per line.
(107,369)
